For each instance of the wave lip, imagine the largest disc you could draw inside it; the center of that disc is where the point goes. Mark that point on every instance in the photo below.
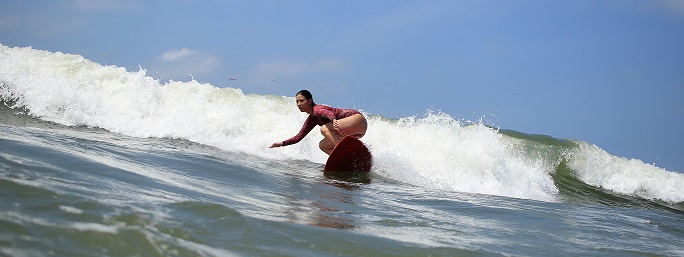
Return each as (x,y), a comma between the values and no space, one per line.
(596,167)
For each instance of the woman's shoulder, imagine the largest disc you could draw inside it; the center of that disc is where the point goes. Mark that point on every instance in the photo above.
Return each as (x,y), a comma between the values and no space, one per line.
(320,107)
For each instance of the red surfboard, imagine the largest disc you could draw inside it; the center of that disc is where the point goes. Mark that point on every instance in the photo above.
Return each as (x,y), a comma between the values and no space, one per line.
(350,155)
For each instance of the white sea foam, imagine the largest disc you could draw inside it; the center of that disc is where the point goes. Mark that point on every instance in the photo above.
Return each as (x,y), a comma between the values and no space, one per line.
(433,151)
(437,152)
(95,227)
(69,209)
(626,176)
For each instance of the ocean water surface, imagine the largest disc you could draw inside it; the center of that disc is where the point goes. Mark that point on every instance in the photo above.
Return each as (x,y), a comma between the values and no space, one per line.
(100,161)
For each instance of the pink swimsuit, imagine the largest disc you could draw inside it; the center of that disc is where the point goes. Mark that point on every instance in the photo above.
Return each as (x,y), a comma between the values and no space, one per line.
(323,114)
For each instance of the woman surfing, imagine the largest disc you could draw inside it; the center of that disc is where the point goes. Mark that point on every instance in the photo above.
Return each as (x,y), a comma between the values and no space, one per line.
(336,123)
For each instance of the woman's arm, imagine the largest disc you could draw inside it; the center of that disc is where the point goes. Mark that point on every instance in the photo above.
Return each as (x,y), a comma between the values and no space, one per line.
(309,124)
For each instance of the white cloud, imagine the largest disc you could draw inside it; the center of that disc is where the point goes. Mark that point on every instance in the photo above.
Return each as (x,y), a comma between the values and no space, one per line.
(176,54)
(331,65)
(183,62)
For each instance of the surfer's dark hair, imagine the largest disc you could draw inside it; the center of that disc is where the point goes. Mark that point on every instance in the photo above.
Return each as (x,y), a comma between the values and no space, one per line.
(306,94)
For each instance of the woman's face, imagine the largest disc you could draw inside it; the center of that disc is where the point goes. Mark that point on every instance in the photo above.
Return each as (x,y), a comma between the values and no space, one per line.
(303,104)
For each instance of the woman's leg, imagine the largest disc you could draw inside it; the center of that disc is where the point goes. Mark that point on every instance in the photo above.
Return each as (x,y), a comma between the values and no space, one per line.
(326,146)
(330,138)
(354,125)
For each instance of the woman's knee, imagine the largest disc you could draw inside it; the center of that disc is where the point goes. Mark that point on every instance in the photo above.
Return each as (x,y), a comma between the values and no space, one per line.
(325,130)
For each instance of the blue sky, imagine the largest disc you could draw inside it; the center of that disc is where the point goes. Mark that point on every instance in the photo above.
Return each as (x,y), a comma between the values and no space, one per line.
(609,72)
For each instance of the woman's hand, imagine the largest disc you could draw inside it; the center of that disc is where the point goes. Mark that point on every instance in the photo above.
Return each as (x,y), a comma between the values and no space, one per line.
(276,144)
